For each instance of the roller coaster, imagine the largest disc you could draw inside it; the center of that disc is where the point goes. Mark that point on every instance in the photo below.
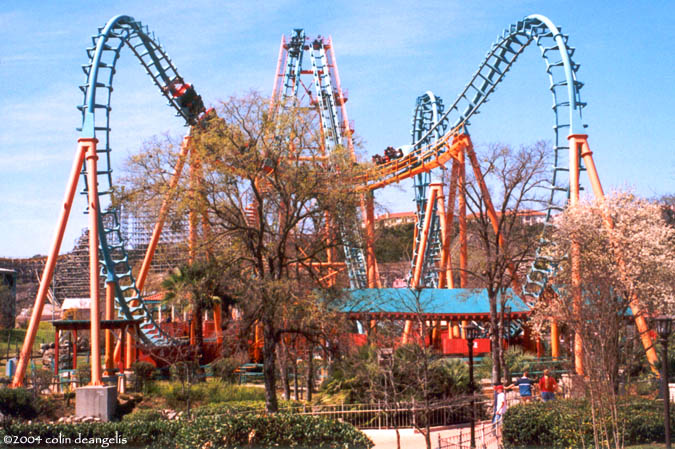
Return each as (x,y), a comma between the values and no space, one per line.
(439,137)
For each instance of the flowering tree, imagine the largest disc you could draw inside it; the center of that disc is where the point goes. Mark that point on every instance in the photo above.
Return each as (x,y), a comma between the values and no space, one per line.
(626,254)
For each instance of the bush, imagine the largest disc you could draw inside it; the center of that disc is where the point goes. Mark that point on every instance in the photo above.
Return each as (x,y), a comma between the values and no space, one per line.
(214,391)
(212,432)
(516,359)
(144,415)
(449,378)
(41,378)
(19,403)
(568,423)
(143,372)
(225,368)
(184,371)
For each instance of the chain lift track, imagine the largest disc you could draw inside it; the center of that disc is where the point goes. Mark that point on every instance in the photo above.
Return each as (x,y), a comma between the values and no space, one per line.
(334,125)
(428,111)
(99,72)
(567,109)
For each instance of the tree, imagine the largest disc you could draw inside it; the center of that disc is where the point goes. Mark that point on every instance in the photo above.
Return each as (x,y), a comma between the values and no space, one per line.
(200,286)
(514,179)
(626,252)
(273,203)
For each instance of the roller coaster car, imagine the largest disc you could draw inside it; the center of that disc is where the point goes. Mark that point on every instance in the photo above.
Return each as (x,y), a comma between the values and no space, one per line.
(176,87)
(185,96)
(190,102)
(393,153)
(379,160)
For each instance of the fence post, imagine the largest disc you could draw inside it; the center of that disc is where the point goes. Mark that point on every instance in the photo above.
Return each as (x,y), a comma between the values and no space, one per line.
(414,420)
(439,440)
(460,436)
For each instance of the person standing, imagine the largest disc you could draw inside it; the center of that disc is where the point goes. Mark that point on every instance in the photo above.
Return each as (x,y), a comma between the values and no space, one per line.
(548,386)
(524,385)
(500,409)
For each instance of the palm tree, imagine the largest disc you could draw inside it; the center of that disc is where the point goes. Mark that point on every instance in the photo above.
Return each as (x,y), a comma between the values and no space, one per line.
(198,286)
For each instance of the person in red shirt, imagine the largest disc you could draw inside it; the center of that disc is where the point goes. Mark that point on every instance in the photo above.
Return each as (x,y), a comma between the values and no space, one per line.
(548,386)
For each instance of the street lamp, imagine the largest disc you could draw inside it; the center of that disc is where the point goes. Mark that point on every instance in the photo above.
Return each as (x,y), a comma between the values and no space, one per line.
(663,325)
(507,336)
(471,332)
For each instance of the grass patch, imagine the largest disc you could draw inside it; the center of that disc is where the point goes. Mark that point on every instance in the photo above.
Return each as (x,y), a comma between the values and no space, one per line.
(13,338)
(11,341)
(213,391)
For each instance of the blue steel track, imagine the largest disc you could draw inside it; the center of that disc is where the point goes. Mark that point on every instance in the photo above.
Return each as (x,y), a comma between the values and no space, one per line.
(123,31)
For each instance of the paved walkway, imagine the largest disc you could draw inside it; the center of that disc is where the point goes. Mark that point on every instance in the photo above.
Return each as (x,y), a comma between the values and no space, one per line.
(451,438)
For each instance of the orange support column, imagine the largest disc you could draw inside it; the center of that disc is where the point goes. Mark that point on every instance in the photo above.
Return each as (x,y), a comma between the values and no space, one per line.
(258,343)
(580,142)
(217,323)
(406,332)
(575,255)
(555,340)
(463,246)
(109,314)
(454,333)
(163,211)
(131,348)
(491,212)
(446,280)
(371,262)
(48,272)
(192,215)
(95,317)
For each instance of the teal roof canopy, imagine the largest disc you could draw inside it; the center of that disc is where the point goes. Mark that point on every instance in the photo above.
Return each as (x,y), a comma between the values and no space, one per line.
(433,301)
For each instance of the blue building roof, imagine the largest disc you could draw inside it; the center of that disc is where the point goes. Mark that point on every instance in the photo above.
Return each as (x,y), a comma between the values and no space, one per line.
(432,301)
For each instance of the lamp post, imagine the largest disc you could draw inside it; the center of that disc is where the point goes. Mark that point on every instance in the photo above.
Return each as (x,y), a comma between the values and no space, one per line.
(471,333)
(507,336)
(663,325)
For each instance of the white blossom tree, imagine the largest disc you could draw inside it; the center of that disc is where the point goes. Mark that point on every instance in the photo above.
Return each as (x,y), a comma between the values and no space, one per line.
(626,252)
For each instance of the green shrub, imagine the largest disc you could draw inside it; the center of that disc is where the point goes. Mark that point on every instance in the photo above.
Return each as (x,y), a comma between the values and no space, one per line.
(41,378)
(568,423)
(449,377)
(225,368)
(144,415)
(212,432)
(136,434)
(516,359)
(143,372)
(184,371)
(19,403)
(214,391)
(269,431)
(177,395)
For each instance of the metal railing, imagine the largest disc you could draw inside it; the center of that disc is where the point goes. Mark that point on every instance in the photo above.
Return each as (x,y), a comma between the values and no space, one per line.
(399,415)
(488,436)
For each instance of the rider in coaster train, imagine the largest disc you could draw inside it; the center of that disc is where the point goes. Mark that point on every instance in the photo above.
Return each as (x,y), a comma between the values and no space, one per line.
(185,96)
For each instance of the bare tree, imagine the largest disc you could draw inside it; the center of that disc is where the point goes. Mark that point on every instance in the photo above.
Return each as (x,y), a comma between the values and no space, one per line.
(504,243)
